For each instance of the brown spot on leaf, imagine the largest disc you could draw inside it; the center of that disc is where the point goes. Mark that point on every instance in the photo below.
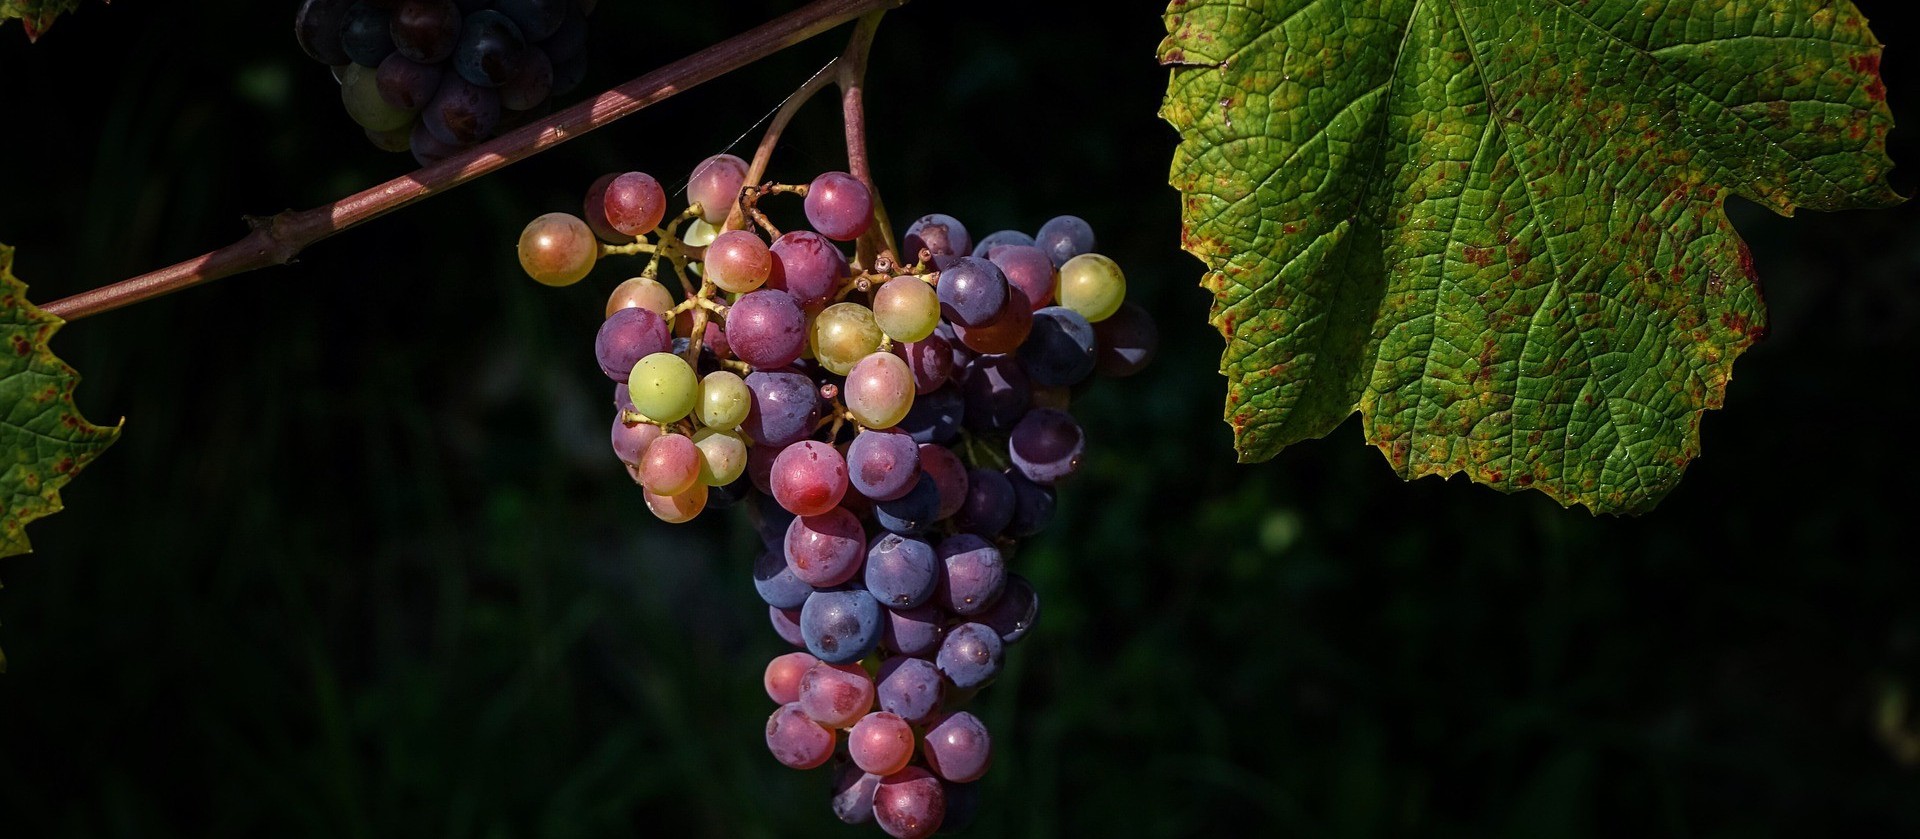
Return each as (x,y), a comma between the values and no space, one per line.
(1479,256)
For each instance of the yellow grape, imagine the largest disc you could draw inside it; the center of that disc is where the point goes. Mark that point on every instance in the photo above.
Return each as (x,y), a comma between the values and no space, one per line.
(724,400)
(843,334)
(907,309)
(662,387)
(558,249)
(1092,285)
(723,456)
(879,390)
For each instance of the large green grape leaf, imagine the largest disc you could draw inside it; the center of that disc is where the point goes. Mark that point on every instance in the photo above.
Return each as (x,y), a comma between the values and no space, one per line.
(1496,228)
(44,439)
(35,15)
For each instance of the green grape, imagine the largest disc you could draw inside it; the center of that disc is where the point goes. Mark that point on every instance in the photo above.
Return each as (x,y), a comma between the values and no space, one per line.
(879,390)
(558,249)
(842,335)
(1092,285)
(724,399)
(360,92)
(723,456)
(663,388)
(700,234)
(907,309)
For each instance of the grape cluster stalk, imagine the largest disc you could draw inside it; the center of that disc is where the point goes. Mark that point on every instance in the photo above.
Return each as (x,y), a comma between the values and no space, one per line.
(893,429)
(439,76)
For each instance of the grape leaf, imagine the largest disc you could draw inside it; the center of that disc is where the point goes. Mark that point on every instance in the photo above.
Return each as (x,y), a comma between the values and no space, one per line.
(35,15)
(1496,228)
(45,439)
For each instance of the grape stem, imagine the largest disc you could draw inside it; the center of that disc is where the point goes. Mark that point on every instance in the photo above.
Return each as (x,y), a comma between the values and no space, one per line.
(278,239)
(853,115)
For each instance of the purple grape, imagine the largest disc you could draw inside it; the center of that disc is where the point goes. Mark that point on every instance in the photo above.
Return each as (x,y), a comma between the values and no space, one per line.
(318,28)
(786,624)
(853,794)
(807,266)
(407,84)
(931,361)
(971,655)
(1014,613)
(902,572)
(1028,269)
(492,49)
(949,476)
(937,233)
(570,40)
(1059,352)
(775,582)
(912,513)
(839,206)
(1063,238)
(630,440)
(984,248)
(1046,446)
(797,741)
(883,465)
(989,505)
(997,391)
(627,336)
(843,626)
(910,803)
(461,114)
(766,329)
(910,689)
(935,416)
(958,748)
(425,31)
(962,356)
(972,291)
(825,550)
(1127,340)
(770,519)
(975,574)
(532,86)
(915,632)
(538,19)
(784,410)
(1032,506)
(364,34)
(428,149)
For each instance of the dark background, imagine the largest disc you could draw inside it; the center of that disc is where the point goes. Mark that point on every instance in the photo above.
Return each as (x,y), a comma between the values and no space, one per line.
(363,566)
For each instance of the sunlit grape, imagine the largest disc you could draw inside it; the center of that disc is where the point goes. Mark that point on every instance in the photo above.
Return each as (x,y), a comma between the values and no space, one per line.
(724,400)
(715,186)
(558,249)
(1092,285)
(723,456)
(641,292)
(843,334)
(738,261)
(676,509)
(879,390)
(907,309)
(663,387)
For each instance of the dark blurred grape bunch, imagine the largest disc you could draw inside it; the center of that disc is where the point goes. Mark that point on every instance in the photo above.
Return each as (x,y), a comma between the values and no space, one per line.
(438,76)
(895,431)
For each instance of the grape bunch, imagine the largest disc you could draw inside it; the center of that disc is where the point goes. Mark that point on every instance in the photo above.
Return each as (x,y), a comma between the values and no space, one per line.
(894,428)
(438,76)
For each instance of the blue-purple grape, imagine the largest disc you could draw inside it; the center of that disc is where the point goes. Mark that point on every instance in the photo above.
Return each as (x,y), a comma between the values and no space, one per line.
(984,247)
(972,291)
(1032,506)
(627,336)
(910,688)
(1127,341)
(883,465)
(784,410)
(916,631)
(949,476)
(971,655)
(774,580)
(1060,351)
(935,416)
(317,26)
(825,550)
(492,49)
(364,34)
(958,748)
(975,574)
(766,329)
(425,31)
(1046,445)
(938,233)
(901,572)
(1015,612)
(842,626)
(1063,238)
(786,624)
(998,393)
(990,503)
(913,513)
(537,19)
(853,794)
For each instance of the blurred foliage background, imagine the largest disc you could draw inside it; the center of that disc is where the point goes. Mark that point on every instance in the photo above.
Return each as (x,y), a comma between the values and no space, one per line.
(362,565)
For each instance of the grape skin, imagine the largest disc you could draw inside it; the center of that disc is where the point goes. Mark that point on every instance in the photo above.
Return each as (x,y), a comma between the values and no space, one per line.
(841,626)
(557,249)
(882,465)
(835,695)
(796,741)
(879,390)
(824,550)
(958,748)
(839,206)
(901,572)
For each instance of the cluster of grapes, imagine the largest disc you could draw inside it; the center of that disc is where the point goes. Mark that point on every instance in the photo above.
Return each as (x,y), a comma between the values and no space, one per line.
(437,76)
(898,428)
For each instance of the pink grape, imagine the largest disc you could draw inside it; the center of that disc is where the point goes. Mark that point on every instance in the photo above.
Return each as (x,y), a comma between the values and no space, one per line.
(796,741)
(640,293)
(825,550)
(836,695)
(809,478)
(635,203)
(715,186)
(909,804)
(839,206)
(1027,268)
(880,743)
(557,249)
(678,509)
(766,329)
(738,261)
(630,440)
(782,680)
(595,211)
(671,465)
(879,390)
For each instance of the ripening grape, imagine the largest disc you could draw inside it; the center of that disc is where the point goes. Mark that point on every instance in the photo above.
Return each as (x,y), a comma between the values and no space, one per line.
(853,794)
(766,329)
(404,83)
(931,361)
(677,509)
(786,624)
(937,233)
(360,93)
(1046,446)
(1126,341)
(997,391)
(671,465)
(948,474)
(1028,269)
(882,465)
(971,655)
(916,632)
(836,695)
(809,478)
(910,688)
(594,210)
(634,203)
(882,743)
(784,409)
(901,571)
(906,309)
(1063,238)
(642,293)
(912,513)
(715,186)
(461,114)
(425,31)
(935,417)
(972,291)
(663,388)
(997,239)
(724,400)
(958,748)
(909,804)
(627,336)
(989,505)
(1015,612)
(879,390)
(738,262)
(1061,349)
(1092,285)
(723,456)
(492,49)
(774,581)
(825,550)
(1005,333)
(782,678)
(839,206)
(557,249)
(843,334)
(700,233)
(796,741)
(631,439)
(974,575)
(806,265)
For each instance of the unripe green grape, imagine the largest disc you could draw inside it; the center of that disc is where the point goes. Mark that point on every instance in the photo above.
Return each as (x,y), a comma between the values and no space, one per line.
(398,140)
(907,309)
(879,390)
(723,456)
(642,292)
(724,400)
(842,335)
(1092,285)
(663,388)
(699,233)
(558,249)
(360,92)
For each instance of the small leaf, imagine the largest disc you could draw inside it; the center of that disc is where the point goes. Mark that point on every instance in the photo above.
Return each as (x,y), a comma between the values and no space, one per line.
(35,15)
(1496,228)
